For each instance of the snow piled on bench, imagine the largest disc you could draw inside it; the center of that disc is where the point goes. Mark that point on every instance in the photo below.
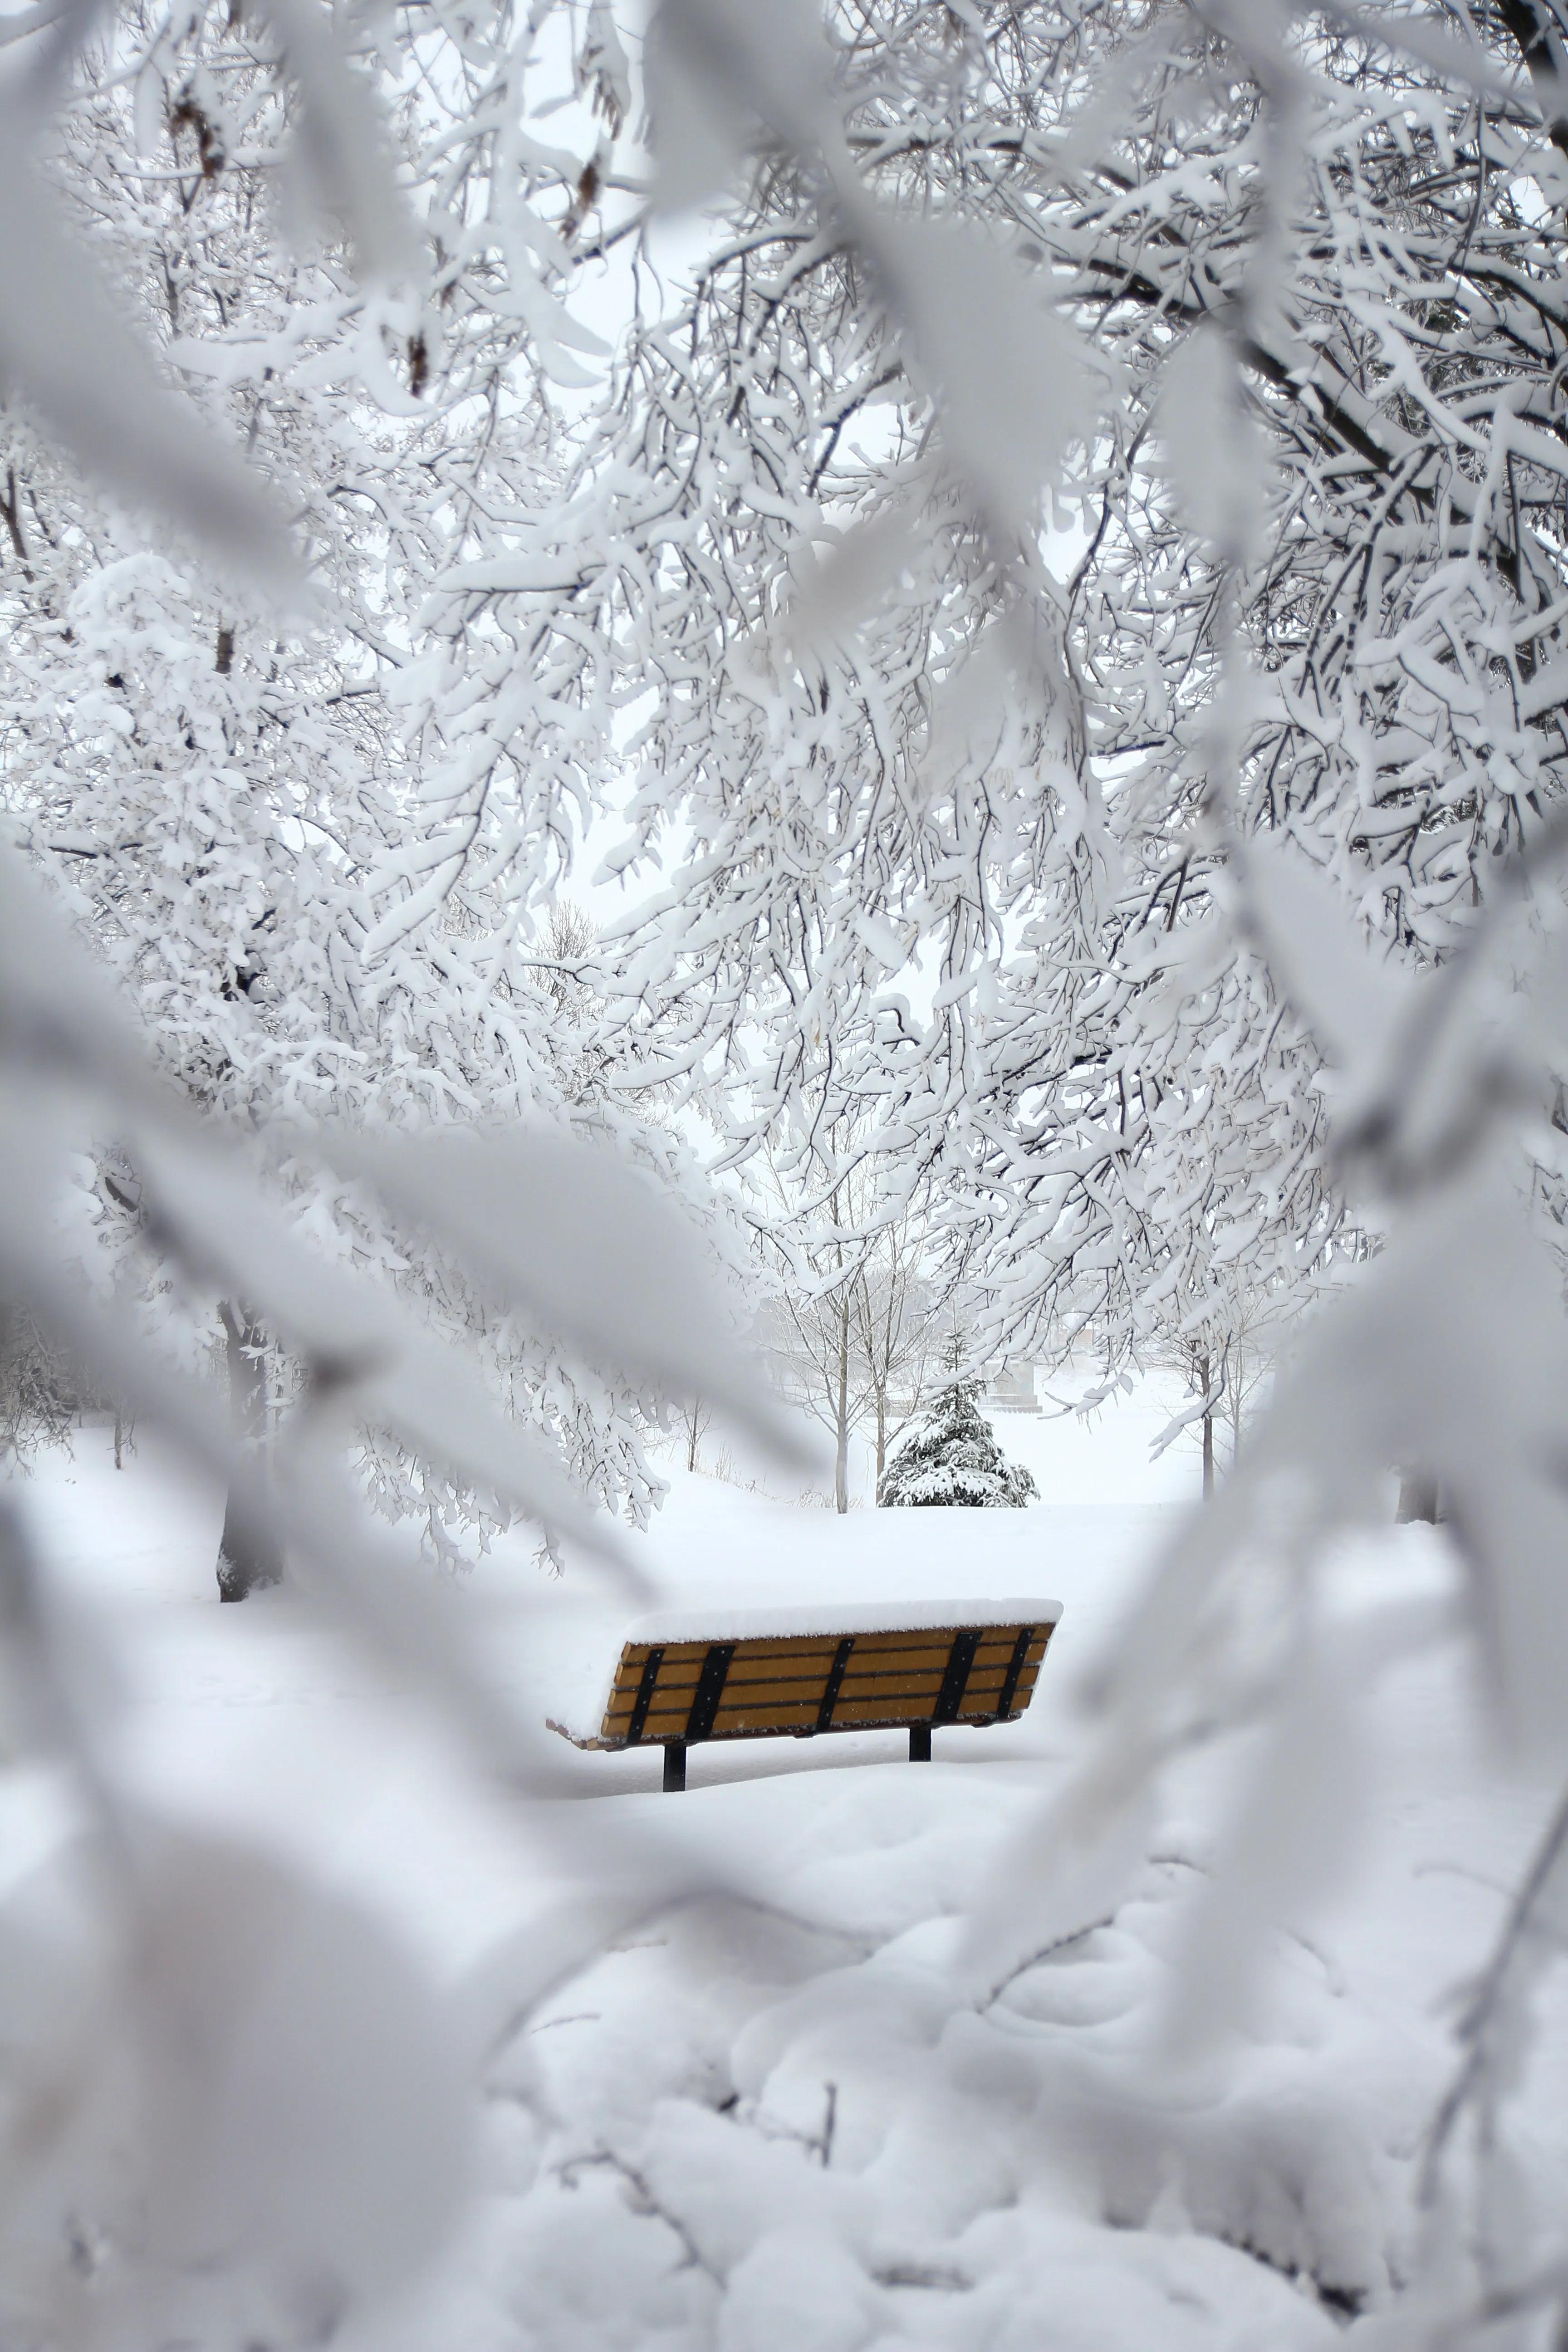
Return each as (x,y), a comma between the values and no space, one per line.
(823,1617)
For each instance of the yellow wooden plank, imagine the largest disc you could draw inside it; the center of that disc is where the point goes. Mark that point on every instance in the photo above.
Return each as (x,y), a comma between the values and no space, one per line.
(789,1645)
(666,1723)
(636,1652)
(798,1691)
(894,1709)
(799,1715)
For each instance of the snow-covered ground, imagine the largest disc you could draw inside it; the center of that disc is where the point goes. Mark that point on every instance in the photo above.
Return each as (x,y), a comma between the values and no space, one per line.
(771,2115)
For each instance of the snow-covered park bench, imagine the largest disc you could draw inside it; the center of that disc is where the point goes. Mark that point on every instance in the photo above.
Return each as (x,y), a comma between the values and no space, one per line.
(771,1674)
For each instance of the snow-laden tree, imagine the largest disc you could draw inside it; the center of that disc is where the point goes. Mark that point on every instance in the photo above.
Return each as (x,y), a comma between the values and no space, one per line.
(257,1047)
(958,794)
(870,711)
(1357,561)
(274,825)
(950,1458)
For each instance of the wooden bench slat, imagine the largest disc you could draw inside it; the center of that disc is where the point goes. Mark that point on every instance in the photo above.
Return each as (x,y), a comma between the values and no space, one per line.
(897,1701)
(757,1683)
(775,1645)
(861,1680)
(823,1644)
(685,1660)
(666,1722)
(919,1697)
(670,1722)
(921,1685)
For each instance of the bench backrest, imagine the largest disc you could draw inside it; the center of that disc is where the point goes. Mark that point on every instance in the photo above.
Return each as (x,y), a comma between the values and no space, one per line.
(810,1683)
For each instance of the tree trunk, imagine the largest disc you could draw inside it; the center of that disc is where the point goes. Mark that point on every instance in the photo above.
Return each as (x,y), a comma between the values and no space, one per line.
(881,1437)
(841,1449)
(1208,1426)
(1418,1497)
(248,1556)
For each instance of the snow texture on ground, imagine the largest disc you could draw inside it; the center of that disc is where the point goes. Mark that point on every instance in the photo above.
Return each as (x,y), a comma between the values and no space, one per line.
(770,2118)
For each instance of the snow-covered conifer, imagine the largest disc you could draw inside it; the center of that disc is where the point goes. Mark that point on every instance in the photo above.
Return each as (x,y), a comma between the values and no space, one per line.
(950,1457)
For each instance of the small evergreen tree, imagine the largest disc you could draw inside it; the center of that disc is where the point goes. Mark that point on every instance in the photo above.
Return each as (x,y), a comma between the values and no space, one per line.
(951,1457)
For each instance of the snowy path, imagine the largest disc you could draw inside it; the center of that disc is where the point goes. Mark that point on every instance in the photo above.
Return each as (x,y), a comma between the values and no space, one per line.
(776,2125)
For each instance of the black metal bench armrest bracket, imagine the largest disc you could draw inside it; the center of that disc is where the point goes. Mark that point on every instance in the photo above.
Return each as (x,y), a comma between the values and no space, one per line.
(643,1698)
(1016,1666)
(833,1683)
(709,1690)
(960,1659)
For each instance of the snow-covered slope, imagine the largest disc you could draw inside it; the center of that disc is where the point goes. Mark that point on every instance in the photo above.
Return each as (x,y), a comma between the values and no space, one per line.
(773,2117)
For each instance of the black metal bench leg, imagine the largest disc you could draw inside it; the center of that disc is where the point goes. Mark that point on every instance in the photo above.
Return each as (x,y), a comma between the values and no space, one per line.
(675,1763)
(919,1743)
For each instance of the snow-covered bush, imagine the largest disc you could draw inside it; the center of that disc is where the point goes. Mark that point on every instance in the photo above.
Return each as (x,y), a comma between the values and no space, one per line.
(951,1457)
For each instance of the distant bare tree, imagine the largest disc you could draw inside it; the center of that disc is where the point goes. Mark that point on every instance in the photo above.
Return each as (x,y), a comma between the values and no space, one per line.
(569,936)
(817,1345)
(855,1313)
(36,1394)
(695,1416)
(894,1312)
